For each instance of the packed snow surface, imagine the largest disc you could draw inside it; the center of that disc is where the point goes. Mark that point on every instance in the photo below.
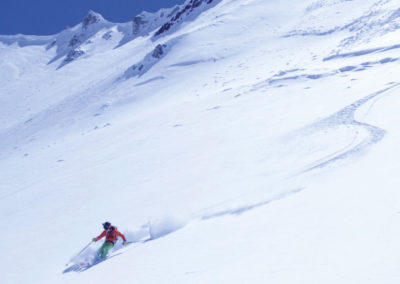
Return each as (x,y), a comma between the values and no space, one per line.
(230,141)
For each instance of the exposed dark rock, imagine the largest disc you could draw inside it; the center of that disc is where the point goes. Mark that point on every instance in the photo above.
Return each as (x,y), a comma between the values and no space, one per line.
(91,18)
(138,21)
(53,43)
(107,35)
(159,51)
(74,40)
(71,56)
(193,4)
(152,58)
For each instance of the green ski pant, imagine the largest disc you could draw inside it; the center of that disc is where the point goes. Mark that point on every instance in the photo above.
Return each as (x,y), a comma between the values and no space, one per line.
(103,251)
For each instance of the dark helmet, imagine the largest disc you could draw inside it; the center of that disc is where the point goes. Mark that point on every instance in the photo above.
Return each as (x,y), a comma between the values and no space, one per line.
(106,225)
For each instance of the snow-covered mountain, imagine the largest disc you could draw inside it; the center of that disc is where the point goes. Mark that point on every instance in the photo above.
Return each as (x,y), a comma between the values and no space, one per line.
(231,142)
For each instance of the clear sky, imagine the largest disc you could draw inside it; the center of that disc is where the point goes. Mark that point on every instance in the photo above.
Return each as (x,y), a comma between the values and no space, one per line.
(45,17)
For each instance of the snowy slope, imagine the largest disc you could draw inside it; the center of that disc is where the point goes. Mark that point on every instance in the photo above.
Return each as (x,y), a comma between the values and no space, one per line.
(247,142)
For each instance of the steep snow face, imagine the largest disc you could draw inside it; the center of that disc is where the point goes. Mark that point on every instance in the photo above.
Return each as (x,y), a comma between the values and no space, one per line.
(248,142)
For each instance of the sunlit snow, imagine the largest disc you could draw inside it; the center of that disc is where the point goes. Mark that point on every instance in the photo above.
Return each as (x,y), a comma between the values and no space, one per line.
(245,142)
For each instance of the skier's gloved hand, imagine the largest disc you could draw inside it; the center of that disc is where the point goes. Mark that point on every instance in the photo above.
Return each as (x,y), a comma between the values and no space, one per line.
(94,240)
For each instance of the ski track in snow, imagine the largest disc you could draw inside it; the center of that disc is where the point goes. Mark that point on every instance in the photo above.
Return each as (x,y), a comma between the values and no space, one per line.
(242,209)
(345,117)
(167,226)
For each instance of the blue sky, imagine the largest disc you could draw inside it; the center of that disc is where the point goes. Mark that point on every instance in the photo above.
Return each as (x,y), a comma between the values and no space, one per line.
(45,17)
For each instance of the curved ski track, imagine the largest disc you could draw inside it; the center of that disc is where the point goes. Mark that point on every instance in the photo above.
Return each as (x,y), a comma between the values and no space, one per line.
(345,117)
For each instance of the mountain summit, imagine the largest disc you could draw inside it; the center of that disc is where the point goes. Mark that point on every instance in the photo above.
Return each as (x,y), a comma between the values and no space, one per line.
(92,18)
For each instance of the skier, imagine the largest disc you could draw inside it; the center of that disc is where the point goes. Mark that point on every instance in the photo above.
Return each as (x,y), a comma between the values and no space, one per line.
(111,233)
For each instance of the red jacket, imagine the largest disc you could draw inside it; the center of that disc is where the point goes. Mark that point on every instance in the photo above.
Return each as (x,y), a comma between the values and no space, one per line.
(111,235)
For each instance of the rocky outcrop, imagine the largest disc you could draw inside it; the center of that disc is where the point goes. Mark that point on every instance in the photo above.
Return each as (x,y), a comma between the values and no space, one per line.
(188,13)
(151,59)
(145,23)
(71,56)
(70,41)
(90,19)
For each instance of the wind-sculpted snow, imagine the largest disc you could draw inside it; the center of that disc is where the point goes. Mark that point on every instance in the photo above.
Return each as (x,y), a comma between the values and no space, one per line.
(324,4)
(299,74)
(315,21)
(381,18)
(193,62)
(363,52)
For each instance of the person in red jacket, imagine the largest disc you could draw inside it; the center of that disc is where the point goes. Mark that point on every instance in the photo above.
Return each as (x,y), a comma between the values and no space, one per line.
(111,233)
